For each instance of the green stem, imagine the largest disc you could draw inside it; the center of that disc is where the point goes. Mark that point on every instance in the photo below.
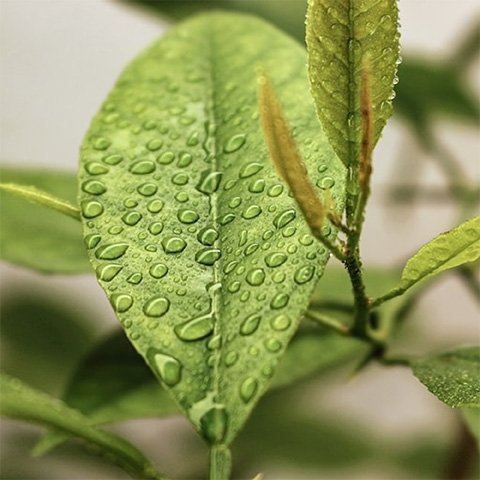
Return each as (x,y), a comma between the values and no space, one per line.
(396,292)
(328,322)
(220,462)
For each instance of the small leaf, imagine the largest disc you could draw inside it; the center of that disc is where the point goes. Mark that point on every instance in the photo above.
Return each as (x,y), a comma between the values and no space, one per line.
(24,403)
(453,377)
(35,237)
(340,36)
(39,197)
(451,249)
(201,251)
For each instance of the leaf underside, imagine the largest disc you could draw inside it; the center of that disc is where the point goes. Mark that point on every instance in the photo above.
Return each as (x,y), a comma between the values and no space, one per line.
(453,377)
(341,36)
(196,241)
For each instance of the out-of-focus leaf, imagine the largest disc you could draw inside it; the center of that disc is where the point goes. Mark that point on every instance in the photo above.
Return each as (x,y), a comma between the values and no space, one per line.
(472,419)
(453,377)
(21,402)
(36,237)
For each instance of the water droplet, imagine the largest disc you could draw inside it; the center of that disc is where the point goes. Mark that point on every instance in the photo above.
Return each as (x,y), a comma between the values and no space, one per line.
(196,329)
(230,266)
(253,247)
(306,239)
(165,158)
(273,345)
(155,228)
(187,216)
(121,302)
(304,274)
(257,186)
(326,230)
(107,272)
(327,182)
(180,179)
(289,231)
(156,306)
(214,424)
(94,187)
(251,212)
(280,300)
(234,287)
(229,184)
(280,322)
(275,190)
(185,160)
(226,219)
(248,389)
(209,182)
(243,238)
(101,143)
(130,203)
(155,206)
(173,244)
(131,218)
(92,240)
(114,159)
(284,218)
(192,140)
(208,256)
(158,270)
(250,324)
(149,124)
(207,236)
(91,209)
(279,277)
(250,169)
(231,358)
(235,202)
(147,189)
(154,145)
(142,167)
(256,277)
(135,278)
(95,168)
(235,143)
(168,367)
(111,251)
(275,259)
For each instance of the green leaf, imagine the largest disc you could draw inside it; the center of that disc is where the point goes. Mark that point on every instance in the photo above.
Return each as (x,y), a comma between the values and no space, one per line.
(24,403)
(341,38)
(472,419)
(453,377)
(36,237)
(450,249)
(195,240)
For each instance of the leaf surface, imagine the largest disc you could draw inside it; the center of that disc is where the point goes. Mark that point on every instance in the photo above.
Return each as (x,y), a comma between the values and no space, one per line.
(450,249)
(194,238)
(36,237)
(341,37)
(21,402)
(453,377)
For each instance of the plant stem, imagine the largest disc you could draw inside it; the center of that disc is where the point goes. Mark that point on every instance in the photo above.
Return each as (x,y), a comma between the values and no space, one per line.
(396,292)
(328,322)
(220,462)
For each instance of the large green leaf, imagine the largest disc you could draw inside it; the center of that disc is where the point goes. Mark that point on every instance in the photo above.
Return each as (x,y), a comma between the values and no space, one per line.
(24,403)
(35,236)
(453,377)
(194,238)
(343,38)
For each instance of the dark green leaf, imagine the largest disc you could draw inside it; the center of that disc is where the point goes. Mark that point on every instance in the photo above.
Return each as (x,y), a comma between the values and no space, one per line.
(199,247)
(453,377)
(36,237)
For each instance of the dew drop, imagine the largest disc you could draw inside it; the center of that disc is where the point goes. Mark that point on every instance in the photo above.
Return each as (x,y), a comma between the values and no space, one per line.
(327,182)
(208,256)
(180,179)
(275,190)
(107,272)
(284,218)
(187,216)
(121,302)
(209,182)
(248,389)
(91,209)
(154,145)
(226,219)
(251,212)
(253,247)
(304,274)
(185,160)
(155,206)
(235,202)
(165,158)
(147,189)
(158,270)
(101,143)
(142,167)
(230,266)
(243,238)
(275,259)
(207,236)
(195,329)
(250,324)
(256,277)
(214,424)
(94,187)
(235,143)
(114,159)
(131,218)
(135,278)
(250,169)
(306,239)
(273,345)
(280,322)
(173,244)
(156,307)
(168,367)
(192,140)
(115,229)
(257,186)
(234,287)
(155,228)
(231,358)
(95,168)
(279,301)
(130,203)
(92,240)
(111,251)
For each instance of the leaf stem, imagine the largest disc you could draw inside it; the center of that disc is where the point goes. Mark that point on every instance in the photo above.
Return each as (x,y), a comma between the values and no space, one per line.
(396,292)
(220,462)
(328,322)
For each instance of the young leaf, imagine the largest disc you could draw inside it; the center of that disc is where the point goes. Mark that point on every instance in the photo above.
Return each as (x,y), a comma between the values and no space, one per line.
(453,377)
(199,247)
(340,36)
(451,249)
(36,237)
(24,403)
